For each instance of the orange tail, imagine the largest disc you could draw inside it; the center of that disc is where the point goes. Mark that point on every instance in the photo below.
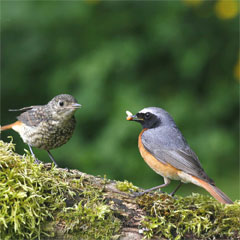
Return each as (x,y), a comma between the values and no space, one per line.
(215,192)
(9,126)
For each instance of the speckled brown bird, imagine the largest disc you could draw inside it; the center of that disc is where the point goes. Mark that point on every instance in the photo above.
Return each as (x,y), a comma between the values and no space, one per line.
(47,126)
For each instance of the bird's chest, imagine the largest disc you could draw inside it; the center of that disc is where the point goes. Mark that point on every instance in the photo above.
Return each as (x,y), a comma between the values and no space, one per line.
(165,170)
(48,134)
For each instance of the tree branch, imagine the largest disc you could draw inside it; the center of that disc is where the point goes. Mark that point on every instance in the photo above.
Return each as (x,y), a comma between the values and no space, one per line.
(41,201)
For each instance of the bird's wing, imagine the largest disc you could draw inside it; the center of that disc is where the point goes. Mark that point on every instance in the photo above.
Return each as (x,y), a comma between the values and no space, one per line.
(179,156)
(21,109)
(33,116)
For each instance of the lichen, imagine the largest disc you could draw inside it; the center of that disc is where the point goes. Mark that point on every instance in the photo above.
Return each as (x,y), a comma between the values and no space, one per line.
(35,199)
(196,216)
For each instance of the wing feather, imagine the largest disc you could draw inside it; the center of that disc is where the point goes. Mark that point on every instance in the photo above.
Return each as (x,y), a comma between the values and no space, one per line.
(33,116)
(174,150)
(21,109)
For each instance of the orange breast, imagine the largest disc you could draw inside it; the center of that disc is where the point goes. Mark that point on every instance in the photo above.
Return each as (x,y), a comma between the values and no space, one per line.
(165,170)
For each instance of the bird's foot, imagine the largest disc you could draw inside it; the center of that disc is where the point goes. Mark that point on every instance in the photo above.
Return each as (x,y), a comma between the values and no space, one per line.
(172,194)
(139,194)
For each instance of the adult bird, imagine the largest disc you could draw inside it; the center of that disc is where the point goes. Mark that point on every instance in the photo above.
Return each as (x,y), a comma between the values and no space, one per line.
(166,151)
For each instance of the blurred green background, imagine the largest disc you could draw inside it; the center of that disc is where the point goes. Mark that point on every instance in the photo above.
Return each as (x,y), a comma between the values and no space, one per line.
(114,56)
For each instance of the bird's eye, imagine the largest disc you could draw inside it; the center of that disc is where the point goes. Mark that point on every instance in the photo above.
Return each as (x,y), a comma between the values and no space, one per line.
(61,103)
(147,115)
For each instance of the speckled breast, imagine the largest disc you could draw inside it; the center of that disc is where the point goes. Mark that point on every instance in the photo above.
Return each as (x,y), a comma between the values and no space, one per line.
(49,134)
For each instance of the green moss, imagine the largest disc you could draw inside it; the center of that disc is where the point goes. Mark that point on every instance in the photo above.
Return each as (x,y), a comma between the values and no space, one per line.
(32,196)
(196,215)
(36,200)
(92,215)
(28,194)
(126,186)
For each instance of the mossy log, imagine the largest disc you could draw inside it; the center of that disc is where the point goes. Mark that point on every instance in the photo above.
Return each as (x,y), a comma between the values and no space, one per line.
(40,201)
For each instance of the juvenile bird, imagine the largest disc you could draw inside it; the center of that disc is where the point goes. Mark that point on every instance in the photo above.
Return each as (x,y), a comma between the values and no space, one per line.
(47,126)
(165,150)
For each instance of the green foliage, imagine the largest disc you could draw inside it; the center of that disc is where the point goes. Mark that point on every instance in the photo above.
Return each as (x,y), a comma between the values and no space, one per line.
(30,195)
(193,216)
(115,56)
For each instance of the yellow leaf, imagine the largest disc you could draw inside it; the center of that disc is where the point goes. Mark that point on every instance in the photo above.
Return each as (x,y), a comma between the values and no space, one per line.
(237,70)
(226,9)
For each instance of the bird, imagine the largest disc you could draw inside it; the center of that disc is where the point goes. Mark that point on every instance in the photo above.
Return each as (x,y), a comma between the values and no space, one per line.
(46,126)
(165,150)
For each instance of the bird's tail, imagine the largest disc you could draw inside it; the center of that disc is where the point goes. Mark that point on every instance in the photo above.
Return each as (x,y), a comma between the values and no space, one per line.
(215,192)
(9,126)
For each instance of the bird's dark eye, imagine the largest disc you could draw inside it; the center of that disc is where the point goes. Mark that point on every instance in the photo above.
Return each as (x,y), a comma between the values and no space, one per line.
(147,115)
(61,103)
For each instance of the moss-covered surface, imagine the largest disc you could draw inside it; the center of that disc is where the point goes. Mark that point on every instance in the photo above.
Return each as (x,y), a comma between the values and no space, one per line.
(126,186)
(41,202)
(33,196)
(191,217)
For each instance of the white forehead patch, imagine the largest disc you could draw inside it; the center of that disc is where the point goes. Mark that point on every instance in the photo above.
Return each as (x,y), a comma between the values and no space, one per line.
(145,110)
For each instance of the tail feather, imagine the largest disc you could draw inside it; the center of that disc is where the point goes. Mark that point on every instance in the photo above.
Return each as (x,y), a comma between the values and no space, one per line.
(215,192)
(9,126)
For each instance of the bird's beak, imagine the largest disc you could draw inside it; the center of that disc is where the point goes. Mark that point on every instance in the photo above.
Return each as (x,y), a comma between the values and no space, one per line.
(76,105)
(136,118)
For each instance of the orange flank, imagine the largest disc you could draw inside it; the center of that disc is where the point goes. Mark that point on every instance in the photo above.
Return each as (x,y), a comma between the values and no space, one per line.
(165,170)
(6,127)
(170,172)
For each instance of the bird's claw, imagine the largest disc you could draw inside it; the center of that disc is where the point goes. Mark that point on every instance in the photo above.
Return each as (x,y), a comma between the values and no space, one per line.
(137,194)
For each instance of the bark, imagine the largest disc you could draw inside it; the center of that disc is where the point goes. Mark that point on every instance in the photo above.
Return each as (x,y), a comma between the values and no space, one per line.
(129,209)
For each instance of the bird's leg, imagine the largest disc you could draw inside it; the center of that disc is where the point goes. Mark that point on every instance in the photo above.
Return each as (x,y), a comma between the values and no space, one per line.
(52,158)
(178,186)
(36,160)
(166,182)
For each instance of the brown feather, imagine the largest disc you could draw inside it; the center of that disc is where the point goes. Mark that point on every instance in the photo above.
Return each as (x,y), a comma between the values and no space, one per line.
(215,192)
